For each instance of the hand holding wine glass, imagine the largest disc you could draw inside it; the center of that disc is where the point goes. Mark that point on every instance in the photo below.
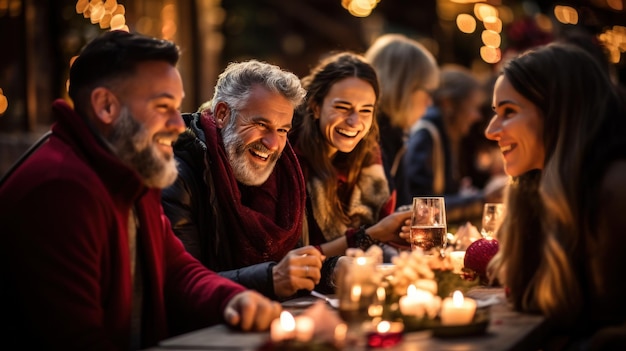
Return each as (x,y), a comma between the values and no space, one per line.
(428,223)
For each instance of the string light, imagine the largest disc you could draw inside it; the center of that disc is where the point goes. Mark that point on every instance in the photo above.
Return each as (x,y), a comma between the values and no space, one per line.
(4,103)
(614,39)
(108,14)
(484,10)
(566,14)
(359,8)
(466,23)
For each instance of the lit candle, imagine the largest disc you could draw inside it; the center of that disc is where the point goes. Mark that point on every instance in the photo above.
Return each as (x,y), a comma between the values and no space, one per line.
(457,258)
(283,328)
(457,310)
(418,303)
(386,334)
(305,328)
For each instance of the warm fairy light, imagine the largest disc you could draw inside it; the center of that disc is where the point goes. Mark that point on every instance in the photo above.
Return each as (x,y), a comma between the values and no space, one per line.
(107,14)
(4,103)
(493,23)
(168,18)
(614,39)
(359,8)
(543,22)
(491,38)
(467,1)
(566,14)
(484,10)
(466,23)
(490,55)
(616,5)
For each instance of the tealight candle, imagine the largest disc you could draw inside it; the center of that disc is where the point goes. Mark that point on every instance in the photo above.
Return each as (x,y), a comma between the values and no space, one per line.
(386,334)
(305,327)
(418,302)
(283,328)
(457,310)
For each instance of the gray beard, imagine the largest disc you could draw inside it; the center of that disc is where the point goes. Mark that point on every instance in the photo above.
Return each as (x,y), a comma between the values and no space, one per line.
(245,172)
(132,144)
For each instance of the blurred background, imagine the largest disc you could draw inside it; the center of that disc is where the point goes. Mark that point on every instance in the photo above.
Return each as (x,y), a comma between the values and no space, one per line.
(39,38)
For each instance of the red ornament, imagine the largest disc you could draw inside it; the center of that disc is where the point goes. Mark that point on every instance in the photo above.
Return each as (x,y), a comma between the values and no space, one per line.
(478,255)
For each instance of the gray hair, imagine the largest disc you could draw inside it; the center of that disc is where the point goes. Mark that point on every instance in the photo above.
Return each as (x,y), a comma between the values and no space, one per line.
(235,83)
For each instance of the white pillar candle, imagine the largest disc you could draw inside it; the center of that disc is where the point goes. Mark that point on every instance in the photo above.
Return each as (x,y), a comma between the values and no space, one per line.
(457,310)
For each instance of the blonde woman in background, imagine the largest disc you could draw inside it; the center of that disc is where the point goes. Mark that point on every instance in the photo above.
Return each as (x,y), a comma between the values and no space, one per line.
(408,72)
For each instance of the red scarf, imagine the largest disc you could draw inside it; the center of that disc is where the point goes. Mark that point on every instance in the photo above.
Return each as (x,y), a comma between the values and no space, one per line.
(265,220)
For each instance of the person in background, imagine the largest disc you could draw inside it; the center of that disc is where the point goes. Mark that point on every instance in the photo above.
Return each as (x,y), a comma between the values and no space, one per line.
(432,160)
(335,136)
(408,73)
(89,261)
(559,122)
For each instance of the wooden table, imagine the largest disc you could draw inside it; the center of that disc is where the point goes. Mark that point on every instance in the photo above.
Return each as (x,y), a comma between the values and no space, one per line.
(508,330)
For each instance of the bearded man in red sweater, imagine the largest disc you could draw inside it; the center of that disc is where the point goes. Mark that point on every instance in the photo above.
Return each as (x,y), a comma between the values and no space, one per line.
(88,260)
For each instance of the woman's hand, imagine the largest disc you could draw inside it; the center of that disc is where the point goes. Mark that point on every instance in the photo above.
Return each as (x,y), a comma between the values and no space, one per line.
(391,229)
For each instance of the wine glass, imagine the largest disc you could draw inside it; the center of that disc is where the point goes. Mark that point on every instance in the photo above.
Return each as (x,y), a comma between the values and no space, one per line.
(492,218)
(428,224)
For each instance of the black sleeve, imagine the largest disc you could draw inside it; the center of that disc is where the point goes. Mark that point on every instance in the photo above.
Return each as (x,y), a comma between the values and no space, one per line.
(256,277)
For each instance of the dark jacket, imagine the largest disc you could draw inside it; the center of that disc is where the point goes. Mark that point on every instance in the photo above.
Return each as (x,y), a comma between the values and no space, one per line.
(419,173)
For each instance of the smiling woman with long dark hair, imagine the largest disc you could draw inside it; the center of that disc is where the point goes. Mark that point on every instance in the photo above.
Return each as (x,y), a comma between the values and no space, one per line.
(560,125)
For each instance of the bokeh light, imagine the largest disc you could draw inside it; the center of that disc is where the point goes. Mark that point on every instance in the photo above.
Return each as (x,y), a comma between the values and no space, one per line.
(616,5)
(108,14)
(466,23)
(493,23)
(484,10)
(490,55)
(491,39)
(4,102)
(566,14)
(614,39)
(359,8)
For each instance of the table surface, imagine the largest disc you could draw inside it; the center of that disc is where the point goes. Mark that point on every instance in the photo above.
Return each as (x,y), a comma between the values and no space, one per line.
(507,330)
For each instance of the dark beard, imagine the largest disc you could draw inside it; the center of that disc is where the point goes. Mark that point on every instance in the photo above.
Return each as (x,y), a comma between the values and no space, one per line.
(136,149)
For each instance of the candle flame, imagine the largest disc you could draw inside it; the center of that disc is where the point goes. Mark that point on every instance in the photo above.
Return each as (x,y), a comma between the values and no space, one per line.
(355,293)
(380,293)
(361,261)
(287,322)
(457,298)
(383,327)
